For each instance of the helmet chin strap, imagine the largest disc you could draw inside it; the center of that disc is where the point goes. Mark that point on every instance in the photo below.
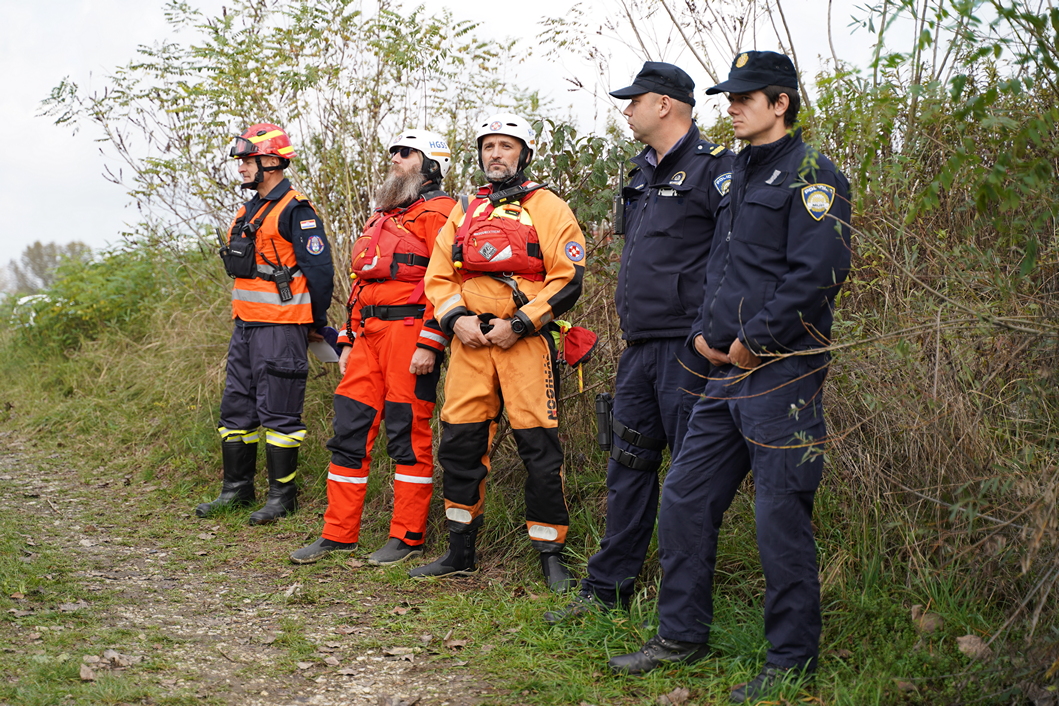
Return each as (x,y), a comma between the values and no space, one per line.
(259,175)
(256,181)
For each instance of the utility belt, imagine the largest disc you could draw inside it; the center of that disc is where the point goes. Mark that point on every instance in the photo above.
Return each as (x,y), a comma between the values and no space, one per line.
(393,313)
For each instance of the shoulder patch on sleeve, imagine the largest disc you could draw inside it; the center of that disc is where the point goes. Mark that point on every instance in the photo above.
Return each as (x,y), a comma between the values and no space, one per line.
(575,252)
(315,245)
(308,224)
(723,183)
(818,199)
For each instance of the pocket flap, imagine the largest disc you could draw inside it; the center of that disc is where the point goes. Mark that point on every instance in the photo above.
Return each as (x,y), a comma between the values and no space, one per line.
(770,198)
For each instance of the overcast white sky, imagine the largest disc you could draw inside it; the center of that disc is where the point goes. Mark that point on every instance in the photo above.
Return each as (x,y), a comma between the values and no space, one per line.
(51,184)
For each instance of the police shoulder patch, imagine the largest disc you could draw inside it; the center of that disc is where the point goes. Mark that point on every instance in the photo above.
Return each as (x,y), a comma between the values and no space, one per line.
(575,252)
(818,199)
(315,245)
(723,183)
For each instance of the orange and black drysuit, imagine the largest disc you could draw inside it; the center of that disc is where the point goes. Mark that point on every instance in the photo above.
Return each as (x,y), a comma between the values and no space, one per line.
(542,239)
(389,318)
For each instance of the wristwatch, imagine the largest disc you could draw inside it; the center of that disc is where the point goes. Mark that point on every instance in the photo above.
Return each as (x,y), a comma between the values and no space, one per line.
(518,326)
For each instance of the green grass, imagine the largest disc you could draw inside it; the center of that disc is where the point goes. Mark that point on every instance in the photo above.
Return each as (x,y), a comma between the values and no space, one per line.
(135,413)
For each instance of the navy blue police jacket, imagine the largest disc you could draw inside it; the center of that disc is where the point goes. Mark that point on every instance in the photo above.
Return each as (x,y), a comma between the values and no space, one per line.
(781,251)
(301,227)
(670,212)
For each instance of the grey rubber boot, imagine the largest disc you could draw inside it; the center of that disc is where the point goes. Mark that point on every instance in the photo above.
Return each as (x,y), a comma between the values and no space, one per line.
(237,484)
(556,575)
(393,552)
(321,548)
(459,560)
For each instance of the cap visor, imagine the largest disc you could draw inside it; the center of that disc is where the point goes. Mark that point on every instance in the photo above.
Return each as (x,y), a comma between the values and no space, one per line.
(736,86)
(630,91)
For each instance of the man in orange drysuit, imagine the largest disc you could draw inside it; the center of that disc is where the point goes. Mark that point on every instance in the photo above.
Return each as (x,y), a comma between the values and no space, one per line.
(518,265)
(391,371)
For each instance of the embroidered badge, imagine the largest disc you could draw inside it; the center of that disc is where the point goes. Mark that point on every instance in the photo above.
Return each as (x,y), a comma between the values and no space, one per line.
(722,183)
(741,60)
(575,252)
(678,178)
(306,225)
(818,199)
(315,246)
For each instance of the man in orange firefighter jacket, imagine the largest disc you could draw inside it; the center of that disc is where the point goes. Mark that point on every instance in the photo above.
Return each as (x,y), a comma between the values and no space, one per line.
(278,255)
(392,370)
(505,266)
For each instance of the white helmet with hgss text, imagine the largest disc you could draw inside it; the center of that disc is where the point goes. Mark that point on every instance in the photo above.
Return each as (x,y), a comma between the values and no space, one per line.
(509,124)
(432,145)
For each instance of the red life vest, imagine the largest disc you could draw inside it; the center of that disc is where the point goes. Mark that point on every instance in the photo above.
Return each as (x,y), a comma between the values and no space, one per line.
(497,240)
(387,250)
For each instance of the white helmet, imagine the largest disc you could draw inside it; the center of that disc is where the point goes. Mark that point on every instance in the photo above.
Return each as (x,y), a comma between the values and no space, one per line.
(432,146)
(509,124)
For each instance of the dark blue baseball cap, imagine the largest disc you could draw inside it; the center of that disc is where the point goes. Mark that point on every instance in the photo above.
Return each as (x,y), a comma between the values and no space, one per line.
(754,70)
(662,78)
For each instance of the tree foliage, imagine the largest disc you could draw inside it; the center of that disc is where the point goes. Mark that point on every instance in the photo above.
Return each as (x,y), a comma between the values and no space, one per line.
(37,268)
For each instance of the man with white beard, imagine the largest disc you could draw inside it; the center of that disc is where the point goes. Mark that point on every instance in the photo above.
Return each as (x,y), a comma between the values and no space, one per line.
(391,354)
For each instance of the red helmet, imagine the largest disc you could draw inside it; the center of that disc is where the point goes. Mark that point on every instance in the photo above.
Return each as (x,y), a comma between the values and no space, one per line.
(263,139)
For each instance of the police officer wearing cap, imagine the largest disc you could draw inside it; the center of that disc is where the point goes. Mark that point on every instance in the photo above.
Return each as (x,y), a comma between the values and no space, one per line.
(670,206)
(780,255)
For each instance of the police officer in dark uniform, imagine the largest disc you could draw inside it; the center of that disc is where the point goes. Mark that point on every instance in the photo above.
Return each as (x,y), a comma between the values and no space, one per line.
(780,255)
(670,205)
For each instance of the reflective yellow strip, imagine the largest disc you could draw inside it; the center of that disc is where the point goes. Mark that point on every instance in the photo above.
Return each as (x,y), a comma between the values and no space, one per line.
(267,136)
(247,436)
(285,150)
(287,441)
(288,479)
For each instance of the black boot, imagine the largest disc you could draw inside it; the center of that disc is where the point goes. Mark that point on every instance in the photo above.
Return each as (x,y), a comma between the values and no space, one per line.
(658,652)
(237,486)
(282,490)
(556,575)
(459,560)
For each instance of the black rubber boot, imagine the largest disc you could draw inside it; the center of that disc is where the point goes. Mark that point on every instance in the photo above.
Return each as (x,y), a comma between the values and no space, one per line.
(282,497)
(459,560)
(556,575)
(237,486)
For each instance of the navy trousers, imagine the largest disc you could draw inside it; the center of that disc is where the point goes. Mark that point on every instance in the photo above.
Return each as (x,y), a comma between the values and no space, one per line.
(658,382)
(772,421)
(265,385)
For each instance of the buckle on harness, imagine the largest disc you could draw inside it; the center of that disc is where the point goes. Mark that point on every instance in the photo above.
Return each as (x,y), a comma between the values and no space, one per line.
(638,439)
(633,461)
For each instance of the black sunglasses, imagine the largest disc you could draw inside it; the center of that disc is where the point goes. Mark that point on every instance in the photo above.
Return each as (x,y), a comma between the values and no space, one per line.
(405,151)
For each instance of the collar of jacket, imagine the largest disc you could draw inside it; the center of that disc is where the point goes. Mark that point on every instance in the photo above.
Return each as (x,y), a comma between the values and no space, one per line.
(753,155)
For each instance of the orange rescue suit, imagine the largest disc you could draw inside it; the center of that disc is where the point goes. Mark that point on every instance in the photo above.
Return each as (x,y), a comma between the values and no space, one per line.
(523,375)
(389,319)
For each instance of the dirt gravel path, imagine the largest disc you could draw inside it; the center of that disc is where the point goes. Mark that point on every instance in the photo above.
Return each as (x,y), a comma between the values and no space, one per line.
(211,608)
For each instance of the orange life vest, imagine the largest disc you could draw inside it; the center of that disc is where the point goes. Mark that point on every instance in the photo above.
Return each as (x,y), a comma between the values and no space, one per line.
(258,299)
(498,239)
